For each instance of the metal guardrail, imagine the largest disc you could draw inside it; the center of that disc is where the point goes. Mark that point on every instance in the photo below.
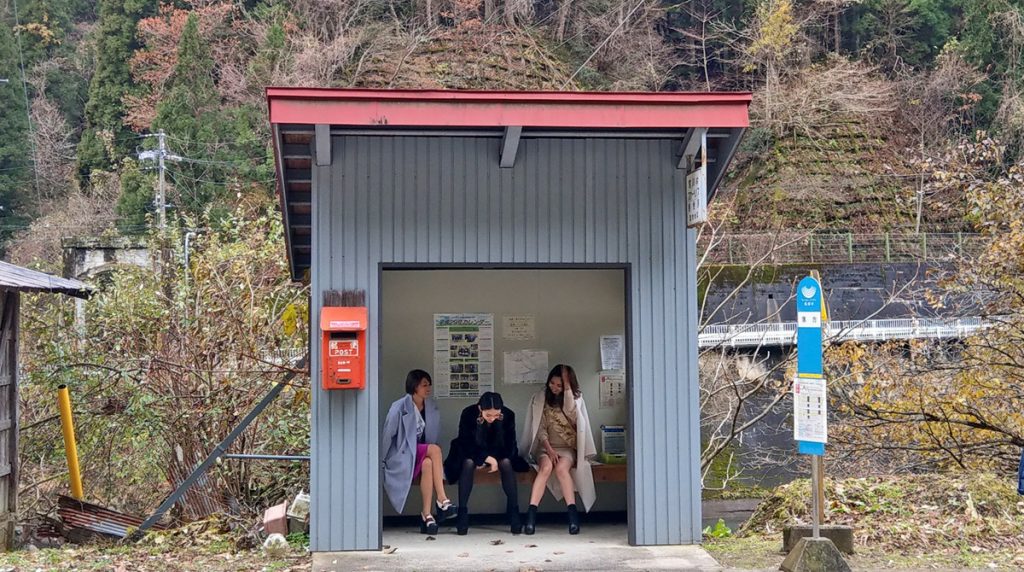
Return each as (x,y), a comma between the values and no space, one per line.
(845,248)
(784,333)
(283,357)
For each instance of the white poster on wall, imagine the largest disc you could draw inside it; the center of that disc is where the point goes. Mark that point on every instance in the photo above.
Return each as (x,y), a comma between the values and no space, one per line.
(519,327)
(613,352)
(463,355)
(526,366)
(612,389)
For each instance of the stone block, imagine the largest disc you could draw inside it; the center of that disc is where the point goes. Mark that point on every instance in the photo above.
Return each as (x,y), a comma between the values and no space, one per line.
(275,519)
(841,536)
(814,555)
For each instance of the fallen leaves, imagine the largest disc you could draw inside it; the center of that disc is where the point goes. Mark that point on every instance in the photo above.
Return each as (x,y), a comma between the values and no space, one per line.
(149,558)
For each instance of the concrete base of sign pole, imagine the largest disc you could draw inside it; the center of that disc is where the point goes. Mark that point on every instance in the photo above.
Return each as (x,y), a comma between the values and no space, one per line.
(840,535)
(815,555)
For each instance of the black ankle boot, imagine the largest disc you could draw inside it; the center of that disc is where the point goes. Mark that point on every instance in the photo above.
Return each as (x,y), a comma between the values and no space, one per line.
(515,524)
(531,520)
(574,520)
(462,521)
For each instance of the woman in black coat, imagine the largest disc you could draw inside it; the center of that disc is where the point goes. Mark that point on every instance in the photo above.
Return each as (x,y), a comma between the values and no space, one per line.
(487,437)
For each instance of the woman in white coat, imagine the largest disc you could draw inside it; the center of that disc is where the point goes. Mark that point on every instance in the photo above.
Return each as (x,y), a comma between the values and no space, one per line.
(557,437)
(409,443)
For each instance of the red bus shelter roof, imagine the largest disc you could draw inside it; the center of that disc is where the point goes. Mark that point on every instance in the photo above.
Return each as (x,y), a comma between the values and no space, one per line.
(297,114)
(438,108)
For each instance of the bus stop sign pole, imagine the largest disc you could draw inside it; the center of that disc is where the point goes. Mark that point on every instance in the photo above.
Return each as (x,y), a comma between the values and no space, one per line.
(810,423)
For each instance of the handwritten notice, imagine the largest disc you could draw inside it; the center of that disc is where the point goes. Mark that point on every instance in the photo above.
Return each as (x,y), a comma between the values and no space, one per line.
(519,327)
(526,366)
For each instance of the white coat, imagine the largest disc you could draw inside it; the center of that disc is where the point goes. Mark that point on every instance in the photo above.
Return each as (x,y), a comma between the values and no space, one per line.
(582,475)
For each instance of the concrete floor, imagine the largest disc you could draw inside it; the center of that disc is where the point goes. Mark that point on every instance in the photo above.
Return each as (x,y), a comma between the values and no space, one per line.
(492,547)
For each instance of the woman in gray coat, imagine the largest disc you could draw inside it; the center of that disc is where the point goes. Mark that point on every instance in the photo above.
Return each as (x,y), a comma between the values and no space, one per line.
(409,442)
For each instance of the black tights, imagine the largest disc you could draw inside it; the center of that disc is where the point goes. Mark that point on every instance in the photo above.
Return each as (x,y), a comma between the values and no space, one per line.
(508,482)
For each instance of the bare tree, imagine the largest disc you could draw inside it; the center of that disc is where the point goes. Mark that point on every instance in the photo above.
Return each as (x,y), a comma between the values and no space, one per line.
(833,19)
(705,37)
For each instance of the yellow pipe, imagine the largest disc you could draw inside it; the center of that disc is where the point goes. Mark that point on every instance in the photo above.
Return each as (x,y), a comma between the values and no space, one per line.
(70,449)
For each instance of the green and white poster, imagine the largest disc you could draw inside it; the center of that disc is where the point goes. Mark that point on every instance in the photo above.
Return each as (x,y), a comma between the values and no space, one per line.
(463,355)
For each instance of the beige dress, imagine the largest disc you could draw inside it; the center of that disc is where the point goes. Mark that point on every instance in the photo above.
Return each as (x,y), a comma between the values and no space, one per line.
(557,427)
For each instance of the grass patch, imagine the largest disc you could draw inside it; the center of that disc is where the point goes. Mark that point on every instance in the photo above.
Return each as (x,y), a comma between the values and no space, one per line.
(965,521)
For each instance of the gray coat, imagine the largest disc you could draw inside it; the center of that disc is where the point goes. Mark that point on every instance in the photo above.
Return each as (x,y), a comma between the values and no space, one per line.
(398,443)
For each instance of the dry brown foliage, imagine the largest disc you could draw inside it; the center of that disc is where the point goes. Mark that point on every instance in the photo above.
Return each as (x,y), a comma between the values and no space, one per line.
(629,51)
(826,96)
(936,104)
(75,214)
(466,57)
(154,64)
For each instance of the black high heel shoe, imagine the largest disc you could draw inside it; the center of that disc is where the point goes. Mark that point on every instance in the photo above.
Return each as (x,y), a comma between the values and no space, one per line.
(462,522)
(446,511)
(428,525)
(531,520)
(574,520)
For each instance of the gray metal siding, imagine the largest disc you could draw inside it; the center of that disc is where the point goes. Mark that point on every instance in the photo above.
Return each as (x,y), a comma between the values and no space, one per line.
(445,200)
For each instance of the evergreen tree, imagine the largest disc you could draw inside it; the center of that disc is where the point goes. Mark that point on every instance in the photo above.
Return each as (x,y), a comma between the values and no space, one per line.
(136,200)
(993,48)
(106,139)
(15,150)
(45,25)
(223,151)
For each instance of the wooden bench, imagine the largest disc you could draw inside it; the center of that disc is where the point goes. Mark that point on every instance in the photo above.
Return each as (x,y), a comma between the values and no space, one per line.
(602,474)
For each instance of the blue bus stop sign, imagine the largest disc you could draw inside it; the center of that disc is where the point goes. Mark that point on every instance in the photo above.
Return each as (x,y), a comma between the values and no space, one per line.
(809,387)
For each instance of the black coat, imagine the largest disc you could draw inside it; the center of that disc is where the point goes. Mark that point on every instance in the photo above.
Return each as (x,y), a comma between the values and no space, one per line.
(478,441)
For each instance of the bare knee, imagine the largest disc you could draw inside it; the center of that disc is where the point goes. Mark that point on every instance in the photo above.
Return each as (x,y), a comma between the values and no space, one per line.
(428,464)
(433,450)
(545,466)
(563,466)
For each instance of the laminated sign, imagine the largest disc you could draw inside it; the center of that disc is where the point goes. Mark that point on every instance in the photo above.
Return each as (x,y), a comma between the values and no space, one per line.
(810,410)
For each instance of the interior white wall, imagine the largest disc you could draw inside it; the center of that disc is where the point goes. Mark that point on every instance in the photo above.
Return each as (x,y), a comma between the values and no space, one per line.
(573,308)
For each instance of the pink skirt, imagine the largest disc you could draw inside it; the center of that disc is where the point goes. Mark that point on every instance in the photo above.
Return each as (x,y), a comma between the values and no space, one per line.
(421,453)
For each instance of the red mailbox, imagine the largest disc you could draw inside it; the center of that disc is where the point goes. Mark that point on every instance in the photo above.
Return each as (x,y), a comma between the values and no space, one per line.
(343,348)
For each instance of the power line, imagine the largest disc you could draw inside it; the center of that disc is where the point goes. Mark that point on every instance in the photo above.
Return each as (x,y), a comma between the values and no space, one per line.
(24,89)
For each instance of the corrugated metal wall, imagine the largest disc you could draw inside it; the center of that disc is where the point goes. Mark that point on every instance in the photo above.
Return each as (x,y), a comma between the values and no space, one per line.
(445,200)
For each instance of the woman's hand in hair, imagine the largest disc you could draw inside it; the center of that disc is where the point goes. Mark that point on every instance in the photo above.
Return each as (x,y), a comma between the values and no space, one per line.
(492,463)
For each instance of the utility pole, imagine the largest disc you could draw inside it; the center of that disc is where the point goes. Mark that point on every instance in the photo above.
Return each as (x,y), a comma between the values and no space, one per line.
(161,154)
(161,202)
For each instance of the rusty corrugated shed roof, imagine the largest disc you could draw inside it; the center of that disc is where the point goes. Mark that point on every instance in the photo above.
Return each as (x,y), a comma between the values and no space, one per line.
(13,277)
(80,514)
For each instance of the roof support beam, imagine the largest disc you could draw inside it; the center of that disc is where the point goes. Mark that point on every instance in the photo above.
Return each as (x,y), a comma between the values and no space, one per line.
(692,143)
(726,149)
(323,145)
(510,146)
